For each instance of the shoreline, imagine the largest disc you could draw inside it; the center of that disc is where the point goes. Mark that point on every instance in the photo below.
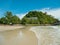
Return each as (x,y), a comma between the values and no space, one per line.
(14,27)
(9,27)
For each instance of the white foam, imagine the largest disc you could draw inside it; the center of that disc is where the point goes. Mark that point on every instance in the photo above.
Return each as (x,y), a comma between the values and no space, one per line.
(49,31)
(55,27)
(37,33)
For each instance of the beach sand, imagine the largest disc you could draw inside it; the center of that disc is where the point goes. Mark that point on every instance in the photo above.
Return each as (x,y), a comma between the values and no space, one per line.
(8,27)
(11,35)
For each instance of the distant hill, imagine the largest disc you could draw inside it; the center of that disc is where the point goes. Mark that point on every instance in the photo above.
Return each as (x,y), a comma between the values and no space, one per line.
(36,17)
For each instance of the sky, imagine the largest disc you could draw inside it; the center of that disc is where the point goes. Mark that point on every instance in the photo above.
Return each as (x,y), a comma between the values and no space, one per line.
(22,7)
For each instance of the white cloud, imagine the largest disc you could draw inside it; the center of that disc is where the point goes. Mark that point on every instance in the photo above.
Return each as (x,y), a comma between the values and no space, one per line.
(21,15)
(53,12)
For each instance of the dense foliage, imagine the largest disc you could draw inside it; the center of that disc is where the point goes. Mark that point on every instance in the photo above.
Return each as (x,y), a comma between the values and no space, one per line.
(36,17)
(33,17)
(9,18)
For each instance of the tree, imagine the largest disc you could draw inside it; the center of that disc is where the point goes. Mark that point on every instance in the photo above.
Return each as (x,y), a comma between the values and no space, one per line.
(15,20)
(24,21)
(9,18)
(3,20)
(42,18)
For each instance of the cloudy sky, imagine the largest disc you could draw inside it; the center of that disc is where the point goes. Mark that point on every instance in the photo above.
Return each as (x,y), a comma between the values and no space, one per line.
(21,7)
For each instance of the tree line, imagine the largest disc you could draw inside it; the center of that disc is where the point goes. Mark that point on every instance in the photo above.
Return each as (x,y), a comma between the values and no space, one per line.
(33,17)
(9,18)
(40,18)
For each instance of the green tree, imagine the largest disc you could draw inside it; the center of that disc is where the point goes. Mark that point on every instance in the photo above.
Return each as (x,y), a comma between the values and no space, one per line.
(15,20)
(3,20)
(42,18)
(9,18)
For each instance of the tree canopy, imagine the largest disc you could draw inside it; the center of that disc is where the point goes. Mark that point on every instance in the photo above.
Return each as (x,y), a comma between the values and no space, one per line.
(9,18)
(42,18)
(32,17)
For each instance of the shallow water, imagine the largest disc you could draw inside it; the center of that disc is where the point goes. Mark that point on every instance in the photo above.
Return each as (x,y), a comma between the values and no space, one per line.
(36,35)
(47,35)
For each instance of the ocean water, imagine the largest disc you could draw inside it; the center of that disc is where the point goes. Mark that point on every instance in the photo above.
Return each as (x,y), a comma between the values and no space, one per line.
(47,35)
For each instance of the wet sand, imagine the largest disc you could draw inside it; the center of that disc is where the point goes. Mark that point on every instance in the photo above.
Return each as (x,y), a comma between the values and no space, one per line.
(18,37)
(5,27)
(35,35)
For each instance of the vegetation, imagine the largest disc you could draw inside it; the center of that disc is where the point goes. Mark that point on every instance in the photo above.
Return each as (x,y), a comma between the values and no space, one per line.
(36,17)
(33,17)
(9,18)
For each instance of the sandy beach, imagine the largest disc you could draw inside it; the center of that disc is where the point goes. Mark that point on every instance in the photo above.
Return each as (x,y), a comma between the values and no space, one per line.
(9,36)
(26,35)
(8,27)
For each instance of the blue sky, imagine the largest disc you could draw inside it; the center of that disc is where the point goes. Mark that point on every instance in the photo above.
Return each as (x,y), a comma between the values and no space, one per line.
(21,7)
